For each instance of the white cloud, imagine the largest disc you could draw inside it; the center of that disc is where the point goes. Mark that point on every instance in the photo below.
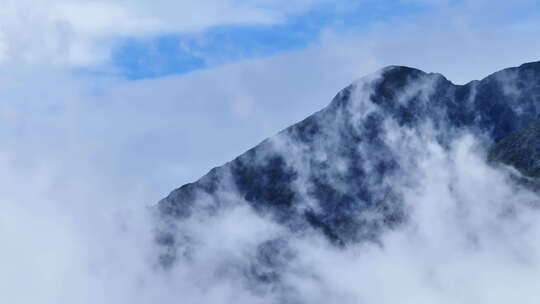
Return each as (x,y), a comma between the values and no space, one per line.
(82,156)
(82,32)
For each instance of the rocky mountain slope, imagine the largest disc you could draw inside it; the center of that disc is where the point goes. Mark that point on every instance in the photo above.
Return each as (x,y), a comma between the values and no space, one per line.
(337,172)
(521,150)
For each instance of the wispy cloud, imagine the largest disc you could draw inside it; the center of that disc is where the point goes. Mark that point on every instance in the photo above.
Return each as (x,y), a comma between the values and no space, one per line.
(82,32)
(82,155)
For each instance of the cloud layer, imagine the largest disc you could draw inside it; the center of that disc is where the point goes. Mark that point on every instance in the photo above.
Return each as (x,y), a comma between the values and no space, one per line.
(83,156)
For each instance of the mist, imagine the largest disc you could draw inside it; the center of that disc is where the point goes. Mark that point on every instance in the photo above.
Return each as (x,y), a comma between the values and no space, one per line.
(72,233)
(85,157)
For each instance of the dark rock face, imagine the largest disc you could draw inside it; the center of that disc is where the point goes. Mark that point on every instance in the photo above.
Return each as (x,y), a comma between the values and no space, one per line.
(333,173)
(520,149)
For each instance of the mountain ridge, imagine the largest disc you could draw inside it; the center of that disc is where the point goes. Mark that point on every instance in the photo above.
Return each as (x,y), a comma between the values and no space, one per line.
(332,172)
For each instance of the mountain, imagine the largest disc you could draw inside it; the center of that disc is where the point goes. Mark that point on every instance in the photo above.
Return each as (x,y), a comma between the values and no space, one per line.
(521,150)
(335,173)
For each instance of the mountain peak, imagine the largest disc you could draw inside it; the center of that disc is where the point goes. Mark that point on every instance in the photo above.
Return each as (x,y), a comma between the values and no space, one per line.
(335,173)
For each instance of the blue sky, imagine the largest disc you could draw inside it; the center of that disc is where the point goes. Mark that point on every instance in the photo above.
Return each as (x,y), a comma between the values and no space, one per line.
(174,53)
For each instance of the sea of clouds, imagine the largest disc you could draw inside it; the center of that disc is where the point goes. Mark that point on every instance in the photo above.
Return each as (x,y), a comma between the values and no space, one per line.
(72,234)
